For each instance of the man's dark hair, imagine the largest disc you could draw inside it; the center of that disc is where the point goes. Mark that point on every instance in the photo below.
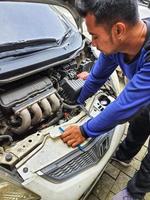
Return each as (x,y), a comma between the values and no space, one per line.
(109,11)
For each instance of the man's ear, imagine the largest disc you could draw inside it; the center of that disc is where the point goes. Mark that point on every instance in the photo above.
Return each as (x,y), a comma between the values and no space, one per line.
(119,30)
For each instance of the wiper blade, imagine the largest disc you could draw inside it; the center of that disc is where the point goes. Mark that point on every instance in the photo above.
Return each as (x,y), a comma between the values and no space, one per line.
(21,52)
(146,2)
(26,43)
(65,36)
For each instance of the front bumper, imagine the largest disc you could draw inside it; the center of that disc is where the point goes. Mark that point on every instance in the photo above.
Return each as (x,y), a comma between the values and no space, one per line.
(72,178)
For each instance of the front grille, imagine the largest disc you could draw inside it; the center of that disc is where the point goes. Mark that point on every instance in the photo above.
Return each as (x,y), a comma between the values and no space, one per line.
(78,161)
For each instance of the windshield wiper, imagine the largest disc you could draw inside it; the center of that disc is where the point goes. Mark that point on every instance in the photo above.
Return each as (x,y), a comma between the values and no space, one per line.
(65,36)
(146,2)
(21,52)
(26,43)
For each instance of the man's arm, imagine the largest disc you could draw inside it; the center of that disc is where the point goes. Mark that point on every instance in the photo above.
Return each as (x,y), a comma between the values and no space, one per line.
(99,74)
(135,96)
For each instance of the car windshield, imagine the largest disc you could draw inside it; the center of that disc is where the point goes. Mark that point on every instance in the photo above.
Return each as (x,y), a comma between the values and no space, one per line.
(29,23)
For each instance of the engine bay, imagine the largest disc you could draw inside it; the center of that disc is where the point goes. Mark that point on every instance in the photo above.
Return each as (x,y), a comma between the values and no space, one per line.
(32,107)
(39,101)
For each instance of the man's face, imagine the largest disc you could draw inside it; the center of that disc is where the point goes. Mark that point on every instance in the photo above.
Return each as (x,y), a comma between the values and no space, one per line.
(101,38)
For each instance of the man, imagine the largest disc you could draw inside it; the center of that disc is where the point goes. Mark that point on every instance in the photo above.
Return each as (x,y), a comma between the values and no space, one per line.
(124,40)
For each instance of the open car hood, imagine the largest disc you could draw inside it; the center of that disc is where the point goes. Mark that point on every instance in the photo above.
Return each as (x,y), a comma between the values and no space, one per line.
(33,46)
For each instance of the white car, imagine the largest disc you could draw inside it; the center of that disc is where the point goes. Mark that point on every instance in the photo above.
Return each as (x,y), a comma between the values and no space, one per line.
(41,53)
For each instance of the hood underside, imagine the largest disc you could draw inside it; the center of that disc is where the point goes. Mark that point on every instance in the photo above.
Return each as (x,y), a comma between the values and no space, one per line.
(36,38)
(68,4)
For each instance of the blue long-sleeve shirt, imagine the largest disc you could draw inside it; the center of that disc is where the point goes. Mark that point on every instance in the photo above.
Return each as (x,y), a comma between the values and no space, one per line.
(135,95)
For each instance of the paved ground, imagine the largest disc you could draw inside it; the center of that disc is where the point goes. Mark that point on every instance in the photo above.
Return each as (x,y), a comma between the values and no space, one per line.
(116,177)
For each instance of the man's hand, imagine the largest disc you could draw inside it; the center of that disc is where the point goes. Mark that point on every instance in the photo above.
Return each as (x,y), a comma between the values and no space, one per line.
(83,75)
(72,136)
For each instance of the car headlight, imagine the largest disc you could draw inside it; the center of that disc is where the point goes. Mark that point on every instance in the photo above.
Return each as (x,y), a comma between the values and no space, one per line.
(11,190)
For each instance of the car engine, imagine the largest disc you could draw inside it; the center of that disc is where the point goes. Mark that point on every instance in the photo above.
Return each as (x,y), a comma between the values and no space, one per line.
(42,100)
(38,100)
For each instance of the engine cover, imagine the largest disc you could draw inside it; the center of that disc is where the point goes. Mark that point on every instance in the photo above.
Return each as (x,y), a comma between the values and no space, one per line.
(26,94)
